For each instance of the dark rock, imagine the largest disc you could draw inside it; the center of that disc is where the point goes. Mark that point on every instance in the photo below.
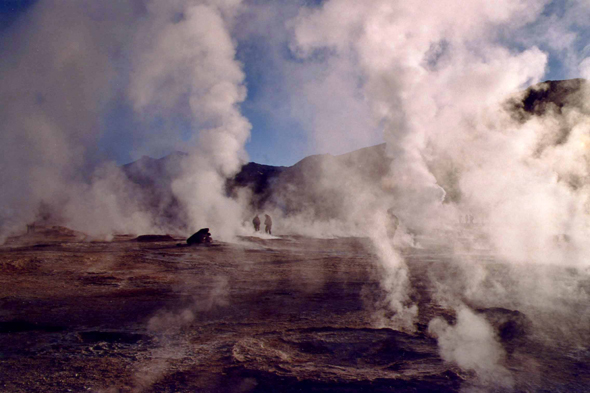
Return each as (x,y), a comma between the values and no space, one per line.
(550,96)
(512,326)
(201,237)
(154,238)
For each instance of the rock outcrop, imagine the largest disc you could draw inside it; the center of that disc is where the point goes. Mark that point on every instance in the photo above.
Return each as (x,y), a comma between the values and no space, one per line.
(201,237)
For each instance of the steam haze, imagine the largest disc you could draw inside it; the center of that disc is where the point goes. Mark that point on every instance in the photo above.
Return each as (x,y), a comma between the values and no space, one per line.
(437,78)
(173,65)
(440,83)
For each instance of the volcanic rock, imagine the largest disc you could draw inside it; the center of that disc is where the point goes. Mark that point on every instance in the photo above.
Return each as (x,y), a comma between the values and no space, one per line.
(154,238)
(512,326)
(201,237)
(550,96)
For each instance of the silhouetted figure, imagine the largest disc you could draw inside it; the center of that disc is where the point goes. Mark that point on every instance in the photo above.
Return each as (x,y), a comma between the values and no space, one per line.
(392,223)
(467,219)
(201,237)
(30,228)
(268,224)
(256,222)
(562,238)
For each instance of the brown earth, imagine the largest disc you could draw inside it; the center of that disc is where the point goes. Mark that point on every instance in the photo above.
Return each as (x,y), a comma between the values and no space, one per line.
(290,314)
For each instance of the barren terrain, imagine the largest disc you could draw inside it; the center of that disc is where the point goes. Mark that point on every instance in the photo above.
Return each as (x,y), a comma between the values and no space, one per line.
(285,314)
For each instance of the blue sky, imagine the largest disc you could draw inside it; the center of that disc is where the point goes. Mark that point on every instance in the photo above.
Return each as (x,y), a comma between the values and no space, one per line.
(282,140)
(282,120)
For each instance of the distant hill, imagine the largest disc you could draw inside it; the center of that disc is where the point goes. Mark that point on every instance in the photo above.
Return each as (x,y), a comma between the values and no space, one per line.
(293,188)
(550,96)
(315,183)
(154,178)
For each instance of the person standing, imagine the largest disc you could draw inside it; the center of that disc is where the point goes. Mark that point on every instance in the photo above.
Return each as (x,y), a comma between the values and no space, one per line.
(392,223)
(256,222)
(268,224)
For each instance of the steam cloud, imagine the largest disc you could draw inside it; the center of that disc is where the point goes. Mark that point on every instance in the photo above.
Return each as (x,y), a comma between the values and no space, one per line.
(471,344)
(434,78)
(437,78)
(189,66)
(174,64)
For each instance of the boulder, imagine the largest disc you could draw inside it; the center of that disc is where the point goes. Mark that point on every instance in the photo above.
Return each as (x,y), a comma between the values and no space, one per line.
(201,237)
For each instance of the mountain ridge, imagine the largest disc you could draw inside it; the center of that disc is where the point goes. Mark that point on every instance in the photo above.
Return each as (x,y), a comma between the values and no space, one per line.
(301,186)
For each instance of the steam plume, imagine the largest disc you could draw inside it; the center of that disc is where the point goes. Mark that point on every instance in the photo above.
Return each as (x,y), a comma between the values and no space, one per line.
(437,77)
(173,63)
(186,63)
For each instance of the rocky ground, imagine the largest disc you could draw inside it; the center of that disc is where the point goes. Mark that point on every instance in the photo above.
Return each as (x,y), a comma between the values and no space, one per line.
(287,314)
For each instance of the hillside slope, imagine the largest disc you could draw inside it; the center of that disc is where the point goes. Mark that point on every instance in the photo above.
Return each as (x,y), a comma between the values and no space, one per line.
(315,183)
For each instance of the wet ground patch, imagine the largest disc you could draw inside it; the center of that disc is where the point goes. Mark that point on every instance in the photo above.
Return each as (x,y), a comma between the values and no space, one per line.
(21,326)
(110,337)
(314,359)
